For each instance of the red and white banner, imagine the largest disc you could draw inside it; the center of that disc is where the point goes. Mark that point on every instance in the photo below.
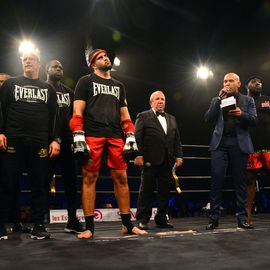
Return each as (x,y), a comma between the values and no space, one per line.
(112,214)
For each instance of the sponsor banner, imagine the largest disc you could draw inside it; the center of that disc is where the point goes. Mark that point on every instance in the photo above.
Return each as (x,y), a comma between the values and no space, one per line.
(113,214)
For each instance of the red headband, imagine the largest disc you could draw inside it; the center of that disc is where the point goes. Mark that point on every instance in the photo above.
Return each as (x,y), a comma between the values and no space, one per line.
(95,55)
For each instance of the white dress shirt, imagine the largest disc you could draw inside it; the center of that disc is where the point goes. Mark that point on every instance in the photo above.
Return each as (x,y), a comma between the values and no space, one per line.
(162,121)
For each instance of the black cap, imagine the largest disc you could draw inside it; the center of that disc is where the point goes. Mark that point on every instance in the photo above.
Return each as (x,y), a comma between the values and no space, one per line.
(251,78)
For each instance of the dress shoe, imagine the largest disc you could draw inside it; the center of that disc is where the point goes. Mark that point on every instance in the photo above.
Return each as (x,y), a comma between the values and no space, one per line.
(20,228)
(212,225)
(143,226)
(245,225)
(165,224)
(39,232)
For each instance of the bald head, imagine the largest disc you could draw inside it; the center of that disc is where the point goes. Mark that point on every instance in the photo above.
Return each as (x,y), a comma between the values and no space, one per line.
(54,70)
(232,83)
(234,75)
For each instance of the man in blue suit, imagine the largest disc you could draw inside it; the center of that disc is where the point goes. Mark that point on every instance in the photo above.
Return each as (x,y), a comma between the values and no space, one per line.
(231,143)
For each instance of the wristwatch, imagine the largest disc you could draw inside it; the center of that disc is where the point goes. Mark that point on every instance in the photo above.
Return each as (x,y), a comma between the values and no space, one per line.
(58,140)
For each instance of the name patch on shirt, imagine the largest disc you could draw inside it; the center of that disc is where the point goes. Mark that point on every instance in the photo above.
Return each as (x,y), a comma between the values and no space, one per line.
(30,94)
(106,90)
(63,99)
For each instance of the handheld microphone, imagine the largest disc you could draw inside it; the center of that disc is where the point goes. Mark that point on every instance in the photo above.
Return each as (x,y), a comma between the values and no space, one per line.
(224,93)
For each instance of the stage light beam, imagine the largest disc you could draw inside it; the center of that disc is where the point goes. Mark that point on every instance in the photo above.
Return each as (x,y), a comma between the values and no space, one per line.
(204,73)
(116,62)
(27,46)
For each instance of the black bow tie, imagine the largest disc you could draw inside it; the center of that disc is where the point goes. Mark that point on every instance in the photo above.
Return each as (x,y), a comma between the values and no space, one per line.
(160,113)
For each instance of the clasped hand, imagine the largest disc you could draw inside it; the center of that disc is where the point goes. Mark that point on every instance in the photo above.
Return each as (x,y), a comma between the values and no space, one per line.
(235,112)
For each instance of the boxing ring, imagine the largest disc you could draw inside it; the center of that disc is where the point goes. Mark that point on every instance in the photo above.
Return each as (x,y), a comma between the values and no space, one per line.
(188,245)
(194,178)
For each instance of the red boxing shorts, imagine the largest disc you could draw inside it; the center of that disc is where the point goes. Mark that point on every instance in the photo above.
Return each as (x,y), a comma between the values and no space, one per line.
(259,159)
(115,158)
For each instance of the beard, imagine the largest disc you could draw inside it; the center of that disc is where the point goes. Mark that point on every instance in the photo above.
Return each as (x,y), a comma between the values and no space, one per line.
(105,68)
(56,77)
(256,92)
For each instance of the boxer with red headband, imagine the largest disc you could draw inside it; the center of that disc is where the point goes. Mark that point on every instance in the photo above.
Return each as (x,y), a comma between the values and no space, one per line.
(91,56)
(100,117)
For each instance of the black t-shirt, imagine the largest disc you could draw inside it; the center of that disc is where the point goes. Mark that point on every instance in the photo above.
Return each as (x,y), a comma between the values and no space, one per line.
(104,98)
(28,109)
(229,121)
(260,133)
(65,97)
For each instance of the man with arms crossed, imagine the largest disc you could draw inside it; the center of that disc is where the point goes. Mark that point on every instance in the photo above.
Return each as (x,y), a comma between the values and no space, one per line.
(65,161)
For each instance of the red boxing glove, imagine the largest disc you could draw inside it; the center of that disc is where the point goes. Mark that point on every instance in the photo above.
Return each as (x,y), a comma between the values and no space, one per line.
(127,126)
(76,123)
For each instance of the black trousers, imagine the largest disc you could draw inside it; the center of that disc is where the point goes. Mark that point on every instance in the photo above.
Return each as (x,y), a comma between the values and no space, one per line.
(15,207)
(154,177)
(229,152)
(65,163)
(32,155)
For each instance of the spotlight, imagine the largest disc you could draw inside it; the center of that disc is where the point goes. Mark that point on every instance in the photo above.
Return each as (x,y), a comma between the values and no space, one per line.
(28,47)
(204,73)
(116,61)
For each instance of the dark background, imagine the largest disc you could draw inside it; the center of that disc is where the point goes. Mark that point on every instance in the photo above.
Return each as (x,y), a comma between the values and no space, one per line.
(160,44)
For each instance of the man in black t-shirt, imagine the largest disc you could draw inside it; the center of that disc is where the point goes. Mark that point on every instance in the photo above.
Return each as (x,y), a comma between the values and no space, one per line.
(260,135)
(28,135)
(15,214)
(65,161)
(100,116)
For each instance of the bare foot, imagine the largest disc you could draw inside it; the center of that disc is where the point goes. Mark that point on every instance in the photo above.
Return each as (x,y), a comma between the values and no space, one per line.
(135,230)
(85,235)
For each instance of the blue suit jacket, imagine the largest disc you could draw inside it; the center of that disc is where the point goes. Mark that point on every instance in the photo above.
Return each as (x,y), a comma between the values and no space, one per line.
(248,118)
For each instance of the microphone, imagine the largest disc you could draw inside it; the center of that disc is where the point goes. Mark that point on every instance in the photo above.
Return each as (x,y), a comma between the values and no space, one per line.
(224,92)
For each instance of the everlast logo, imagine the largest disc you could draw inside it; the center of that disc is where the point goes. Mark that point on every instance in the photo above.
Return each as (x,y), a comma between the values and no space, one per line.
(106,89)
(30,94)
(63,100)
